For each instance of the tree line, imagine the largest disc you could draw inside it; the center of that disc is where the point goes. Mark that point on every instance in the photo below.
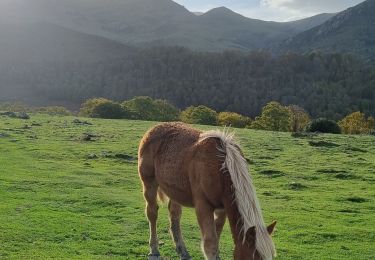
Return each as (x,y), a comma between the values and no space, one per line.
(273,117)
(325,85)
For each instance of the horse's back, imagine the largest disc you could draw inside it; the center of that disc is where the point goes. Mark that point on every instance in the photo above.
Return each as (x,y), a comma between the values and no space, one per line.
(182,164)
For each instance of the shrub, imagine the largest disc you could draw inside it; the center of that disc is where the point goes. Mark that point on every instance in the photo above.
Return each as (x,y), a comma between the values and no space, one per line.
(199,115)
(299,118)
(233,119)
(54,110)
(146,108)
(14,107)
(323,125)
(274,117)
(102,108)
(356,123)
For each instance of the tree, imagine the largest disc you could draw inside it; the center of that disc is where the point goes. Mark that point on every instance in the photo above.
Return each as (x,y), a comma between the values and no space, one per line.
(274,117)
(165,111)
(371,123)
(102,108)
(145,108)
(356,123)
(323,125)
(299,118)
(233,119)
(199,115)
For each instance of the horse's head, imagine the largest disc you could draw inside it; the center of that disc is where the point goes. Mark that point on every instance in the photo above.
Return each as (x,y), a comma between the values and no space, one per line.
(247,250)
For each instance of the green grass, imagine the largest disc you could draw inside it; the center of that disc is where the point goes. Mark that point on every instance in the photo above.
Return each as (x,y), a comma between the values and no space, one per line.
(62,197)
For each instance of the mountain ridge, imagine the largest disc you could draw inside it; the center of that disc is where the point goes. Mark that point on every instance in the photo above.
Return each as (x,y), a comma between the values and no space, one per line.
(155,22)
(350,31)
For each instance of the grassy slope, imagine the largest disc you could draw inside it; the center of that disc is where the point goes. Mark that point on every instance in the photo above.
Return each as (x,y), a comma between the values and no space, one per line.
(57,203)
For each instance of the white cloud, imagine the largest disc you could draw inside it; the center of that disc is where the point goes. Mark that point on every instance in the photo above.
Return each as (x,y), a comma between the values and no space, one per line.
(274,10)
(316,6)
(287,10)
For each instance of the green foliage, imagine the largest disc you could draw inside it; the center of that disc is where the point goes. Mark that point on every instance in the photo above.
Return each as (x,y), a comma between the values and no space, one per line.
(146,108)
(102,108)
(53,110)
(14,107)
(233,119)
(323,125)
(199,115)
(325,85)
(274,117)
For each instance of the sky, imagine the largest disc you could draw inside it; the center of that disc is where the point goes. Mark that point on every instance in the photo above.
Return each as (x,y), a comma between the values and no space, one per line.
(272,10)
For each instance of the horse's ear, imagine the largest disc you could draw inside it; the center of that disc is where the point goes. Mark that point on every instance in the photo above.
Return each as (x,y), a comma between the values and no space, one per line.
(271,227)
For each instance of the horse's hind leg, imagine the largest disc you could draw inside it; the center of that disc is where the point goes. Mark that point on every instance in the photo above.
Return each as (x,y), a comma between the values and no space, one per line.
(175,211)
(220,217)
(150,189)
(205,215)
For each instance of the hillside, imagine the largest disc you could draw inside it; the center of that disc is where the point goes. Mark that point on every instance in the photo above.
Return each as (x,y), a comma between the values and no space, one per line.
(325,85)
(310,22)
(351,31)
(49,43)
(31,55)
(62,197)
(155,22)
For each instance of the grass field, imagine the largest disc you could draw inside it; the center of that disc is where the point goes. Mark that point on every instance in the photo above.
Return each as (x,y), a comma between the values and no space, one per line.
(67,198)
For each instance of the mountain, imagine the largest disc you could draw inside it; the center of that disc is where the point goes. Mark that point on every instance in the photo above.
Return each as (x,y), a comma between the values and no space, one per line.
(155,22)
(37,51)
(310,22)
(44,42)
(350,31)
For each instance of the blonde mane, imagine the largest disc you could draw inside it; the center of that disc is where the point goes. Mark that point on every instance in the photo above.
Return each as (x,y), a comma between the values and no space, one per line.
(245,195)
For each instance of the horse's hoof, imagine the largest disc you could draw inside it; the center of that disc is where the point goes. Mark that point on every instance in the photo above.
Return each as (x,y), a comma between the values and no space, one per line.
(154,257)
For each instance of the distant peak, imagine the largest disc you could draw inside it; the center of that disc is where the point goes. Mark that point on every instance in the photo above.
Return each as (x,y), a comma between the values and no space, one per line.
(221,10)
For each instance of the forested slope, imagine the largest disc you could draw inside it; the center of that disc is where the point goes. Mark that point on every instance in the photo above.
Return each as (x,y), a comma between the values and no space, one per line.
(329,85)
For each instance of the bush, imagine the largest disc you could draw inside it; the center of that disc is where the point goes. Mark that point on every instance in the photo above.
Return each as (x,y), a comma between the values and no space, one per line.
(54,110)
(102,108)
(323,125)
(274,117)
(14,107)
(146,108)
(299,118)
(233,119)
(199,115)
(356,123)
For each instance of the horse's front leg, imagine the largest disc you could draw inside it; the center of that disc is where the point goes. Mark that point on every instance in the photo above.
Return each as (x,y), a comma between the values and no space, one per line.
(175,211)
(210,242)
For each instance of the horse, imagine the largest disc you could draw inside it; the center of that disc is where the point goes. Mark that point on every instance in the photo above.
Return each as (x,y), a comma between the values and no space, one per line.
(208,172)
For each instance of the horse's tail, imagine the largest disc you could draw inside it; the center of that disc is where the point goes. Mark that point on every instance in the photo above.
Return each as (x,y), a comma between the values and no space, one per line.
(244,192)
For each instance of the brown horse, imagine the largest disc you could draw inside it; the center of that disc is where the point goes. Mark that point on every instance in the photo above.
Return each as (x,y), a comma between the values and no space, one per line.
(207,171)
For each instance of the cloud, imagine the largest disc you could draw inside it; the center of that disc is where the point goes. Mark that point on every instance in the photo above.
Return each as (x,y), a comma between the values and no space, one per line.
(273,10)
(310,6)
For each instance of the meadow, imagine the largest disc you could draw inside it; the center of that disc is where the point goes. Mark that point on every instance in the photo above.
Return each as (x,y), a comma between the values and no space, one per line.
(69,189)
